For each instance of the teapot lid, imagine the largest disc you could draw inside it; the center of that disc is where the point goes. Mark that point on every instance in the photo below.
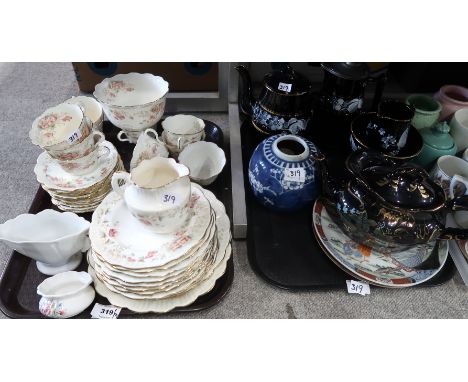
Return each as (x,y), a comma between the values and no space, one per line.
(347,70)
(407,186)
(438,136)
(286,81)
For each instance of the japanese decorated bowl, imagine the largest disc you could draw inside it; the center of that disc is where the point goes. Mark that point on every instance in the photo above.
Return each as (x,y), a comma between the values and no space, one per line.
(133,101)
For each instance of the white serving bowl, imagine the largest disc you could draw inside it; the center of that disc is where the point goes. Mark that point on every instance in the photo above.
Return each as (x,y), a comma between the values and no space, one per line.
(205,161)
(65,294)
(54,239)
(133,101)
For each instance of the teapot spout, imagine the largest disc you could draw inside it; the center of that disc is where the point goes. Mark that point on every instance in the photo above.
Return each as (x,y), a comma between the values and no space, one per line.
(245,90)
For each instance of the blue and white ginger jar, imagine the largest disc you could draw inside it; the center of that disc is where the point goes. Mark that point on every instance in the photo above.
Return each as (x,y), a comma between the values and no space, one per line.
(284,172)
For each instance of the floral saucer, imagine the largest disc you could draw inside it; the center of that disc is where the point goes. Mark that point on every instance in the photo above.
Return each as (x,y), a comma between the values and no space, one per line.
(50,174)
(157,275)
(365,263)
(120,239)
(163,305)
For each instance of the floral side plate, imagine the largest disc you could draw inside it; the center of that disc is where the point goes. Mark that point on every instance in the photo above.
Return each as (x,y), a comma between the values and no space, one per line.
(123,241)
(167,304)
(50,174)
(365,263)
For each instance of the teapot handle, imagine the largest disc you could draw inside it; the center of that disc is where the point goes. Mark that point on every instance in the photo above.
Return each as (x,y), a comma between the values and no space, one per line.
(459,203)
(120,176)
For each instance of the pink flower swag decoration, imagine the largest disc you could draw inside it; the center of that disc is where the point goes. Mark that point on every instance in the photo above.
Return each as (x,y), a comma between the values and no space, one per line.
(193,201)
(118,115)
(182,239)
(151,254)
(67,118)
(48,121)
(116,85)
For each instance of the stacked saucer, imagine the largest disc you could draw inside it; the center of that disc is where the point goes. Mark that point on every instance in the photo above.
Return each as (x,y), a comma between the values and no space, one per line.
(78,193)
(136,268)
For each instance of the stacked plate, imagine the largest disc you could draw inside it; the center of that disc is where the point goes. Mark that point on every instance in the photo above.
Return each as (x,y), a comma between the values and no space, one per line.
(138,269)
(78,193)
(382,268)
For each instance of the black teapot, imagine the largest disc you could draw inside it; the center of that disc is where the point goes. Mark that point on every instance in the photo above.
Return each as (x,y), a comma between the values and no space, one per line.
(388,206)
(284,104)
(341,99)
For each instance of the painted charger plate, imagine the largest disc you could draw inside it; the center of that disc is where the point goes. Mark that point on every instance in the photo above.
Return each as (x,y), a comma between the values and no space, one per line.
(365,263)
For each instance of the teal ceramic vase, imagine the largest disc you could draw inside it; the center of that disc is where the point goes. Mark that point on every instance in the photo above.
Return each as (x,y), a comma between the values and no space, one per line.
(437,142)
(426,110)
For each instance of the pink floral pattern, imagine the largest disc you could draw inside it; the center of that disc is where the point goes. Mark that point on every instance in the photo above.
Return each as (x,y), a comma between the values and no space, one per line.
(48,121)
(118,86)
(51,308)
(182,239)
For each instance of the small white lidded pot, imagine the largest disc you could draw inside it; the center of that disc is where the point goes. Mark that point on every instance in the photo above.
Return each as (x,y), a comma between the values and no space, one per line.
(66,294)
(205,161)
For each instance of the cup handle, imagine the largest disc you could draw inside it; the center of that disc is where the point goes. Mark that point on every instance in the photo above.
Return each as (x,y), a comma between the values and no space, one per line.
(119,136)
(120,176)
(103,150)
(178,142)
(453,182)
(101,136)
(156,136)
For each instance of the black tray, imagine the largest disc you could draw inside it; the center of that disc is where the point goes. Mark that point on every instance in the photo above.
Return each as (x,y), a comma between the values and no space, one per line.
(281,247)
(18,297)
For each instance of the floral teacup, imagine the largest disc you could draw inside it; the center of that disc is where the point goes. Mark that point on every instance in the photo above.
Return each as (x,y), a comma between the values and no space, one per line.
(81,149)
(181,130)
(60,127)
(92,109)
(86,164)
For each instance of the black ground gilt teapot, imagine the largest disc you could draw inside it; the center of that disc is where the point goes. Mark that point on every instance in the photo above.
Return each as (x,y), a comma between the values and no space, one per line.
(284,104)
(388,206)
